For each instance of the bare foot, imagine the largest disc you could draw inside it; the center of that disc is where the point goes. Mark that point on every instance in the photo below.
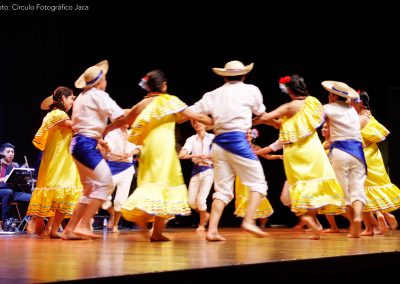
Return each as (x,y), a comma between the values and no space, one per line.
(44,235)
(253,229)
(355,228)
(331,230)
(316,229)
(115,229)
(82,231)
(214,237)
(72,236)
(367,233)
(391,221)
(141,222)
(383,226)
(55,235)
(300,225)
(160,238)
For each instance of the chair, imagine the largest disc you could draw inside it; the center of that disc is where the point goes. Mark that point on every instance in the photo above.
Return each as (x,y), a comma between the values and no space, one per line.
(16,207)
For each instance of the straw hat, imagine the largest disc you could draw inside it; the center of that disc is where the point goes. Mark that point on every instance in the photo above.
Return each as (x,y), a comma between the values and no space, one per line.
(234,68)
(340,89)
(46,103)
(92,75)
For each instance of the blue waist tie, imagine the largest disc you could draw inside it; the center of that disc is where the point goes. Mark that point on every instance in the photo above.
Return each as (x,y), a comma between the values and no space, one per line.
(84,149)
(118,167)
(198,169)
(236,143)
(352,147)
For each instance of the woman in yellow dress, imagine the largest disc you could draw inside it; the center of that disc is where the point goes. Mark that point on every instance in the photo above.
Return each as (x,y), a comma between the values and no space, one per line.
(265,209)
(161,192)
(382,195)
(58,186)
(312,183)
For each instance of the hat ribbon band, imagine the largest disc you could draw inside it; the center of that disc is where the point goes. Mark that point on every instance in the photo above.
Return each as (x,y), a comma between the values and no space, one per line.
(234,69)
(95,79)
(344,93)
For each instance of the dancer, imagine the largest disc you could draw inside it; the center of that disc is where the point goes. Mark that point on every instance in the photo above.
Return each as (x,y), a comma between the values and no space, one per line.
(161,192)
(382,196)
(312,183)
(231,107)
(58,186)
(265,209)
(197,147)
(118,152)
(92,110)
(347,156)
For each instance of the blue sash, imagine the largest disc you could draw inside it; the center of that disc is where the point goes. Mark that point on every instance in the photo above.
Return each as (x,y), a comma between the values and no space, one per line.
(118,167)
(198,169)
(352,147)
(236,143)
(84,149)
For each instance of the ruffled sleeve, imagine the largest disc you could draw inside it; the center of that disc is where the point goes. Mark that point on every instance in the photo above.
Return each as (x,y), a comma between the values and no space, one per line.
(160,107)
(373,132)
(303,123)
(51,119)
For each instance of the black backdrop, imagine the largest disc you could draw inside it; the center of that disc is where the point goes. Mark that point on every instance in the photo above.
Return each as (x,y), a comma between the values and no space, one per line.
(42,49)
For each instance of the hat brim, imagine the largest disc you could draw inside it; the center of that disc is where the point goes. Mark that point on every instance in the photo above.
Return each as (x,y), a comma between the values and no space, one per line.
(46,103)
(81,83)
(233,72)
(351,93)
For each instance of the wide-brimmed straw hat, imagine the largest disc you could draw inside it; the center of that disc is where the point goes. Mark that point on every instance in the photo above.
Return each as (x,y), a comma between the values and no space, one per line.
(234,68)
(340,89)
(92,75)
(46,103)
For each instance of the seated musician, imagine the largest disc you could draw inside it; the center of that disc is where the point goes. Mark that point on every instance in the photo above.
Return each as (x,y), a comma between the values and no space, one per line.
(9,193)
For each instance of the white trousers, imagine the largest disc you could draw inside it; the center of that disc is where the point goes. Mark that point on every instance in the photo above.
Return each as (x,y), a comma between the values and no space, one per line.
(199,189)
(97,183)
(351,175)
(227,165)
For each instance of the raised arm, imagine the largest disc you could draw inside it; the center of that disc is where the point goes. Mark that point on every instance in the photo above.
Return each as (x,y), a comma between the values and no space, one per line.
(128,118)
(208,121)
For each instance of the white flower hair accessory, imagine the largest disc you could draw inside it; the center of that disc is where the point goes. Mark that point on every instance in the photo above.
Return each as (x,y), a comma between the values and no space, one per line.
(143,83)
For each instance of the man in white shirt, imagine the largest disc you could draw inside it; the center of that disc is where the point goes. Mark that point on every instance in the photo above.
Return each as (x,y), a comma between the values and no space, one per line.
(347,155)
(92,110)
(198,147)
(231,107)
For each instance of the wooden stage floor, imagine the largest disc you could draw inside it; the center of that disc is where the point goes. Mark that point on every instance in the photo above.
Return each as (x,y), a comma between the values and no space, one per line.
(286,255)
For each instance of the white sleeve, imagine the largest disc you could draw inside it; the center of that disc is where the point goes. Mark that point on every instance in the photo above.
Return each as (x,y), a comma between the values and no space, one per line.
(277,145)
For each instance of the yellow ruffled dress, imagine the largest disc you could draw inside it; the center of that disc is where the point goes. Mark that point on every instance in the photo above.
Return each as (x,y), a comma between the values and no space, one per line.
(312,181)
(264,210)
(58,185)
(381,193)
(161,188)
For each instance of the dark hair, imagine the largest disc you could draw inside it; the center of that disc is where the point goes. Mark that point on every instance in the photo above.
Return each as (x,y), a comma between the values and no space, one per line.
(6,145)
(364,97)
(57,97)
(298,86)
(155,81)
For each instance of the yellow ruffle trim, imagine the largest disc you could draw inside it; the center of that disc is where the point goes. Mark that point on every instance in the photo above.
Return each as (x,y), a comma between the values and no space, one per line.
(160,107)
(156,200)
(326,195)
(263,211)
(45,201)
(373,132)
(303,123)
(384,198)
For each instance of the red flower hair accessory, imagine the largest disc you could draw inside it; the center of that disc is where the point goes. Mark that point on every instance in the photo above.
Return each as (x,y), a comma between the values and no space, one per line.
(285,80)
